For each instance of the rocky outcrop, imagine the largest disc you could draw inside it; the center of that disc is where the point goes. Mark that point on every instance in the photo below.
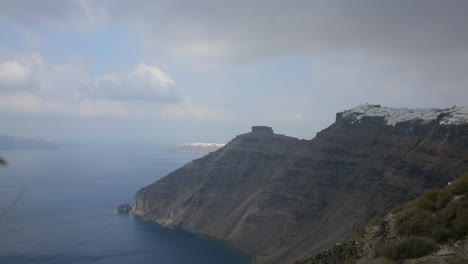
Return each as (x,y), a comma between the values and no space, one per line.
(124,208)
(280,199)
(262,129)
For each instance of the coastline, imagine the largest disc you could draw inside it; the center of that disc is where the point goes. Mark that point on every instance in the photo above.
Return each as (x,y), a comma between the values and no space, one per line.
(204,236)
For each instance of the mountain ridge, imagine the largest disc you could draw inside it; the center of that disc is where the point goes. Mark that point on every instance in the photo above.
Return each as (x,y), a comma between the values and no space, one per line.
(279,198)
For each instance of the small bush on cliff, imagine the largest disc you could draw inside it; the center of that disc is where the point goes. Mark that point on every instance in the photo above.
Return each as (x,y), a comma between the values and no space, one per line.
(443,198)
(460,225)
(460,186)
(441,234)
(416,222)
(410,247)
(435,216)
(426,201)
(448,214)
(442,214)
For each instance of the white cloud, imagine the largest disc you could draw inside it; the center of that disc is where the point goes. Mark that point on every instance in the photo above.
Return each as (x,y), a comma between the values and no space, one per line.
(145,82)
(13,73)
(68,90)
(153,75)
(65,89)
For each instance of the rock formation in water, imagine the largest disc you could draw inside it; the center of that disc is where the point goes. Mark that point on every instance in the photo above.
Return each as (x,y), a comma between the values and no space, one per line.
(124,208)
(280,199)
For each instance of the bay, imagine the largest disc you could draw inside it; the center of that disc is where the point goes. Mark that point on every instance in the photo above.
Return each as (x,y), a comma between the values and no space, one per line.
(65,210)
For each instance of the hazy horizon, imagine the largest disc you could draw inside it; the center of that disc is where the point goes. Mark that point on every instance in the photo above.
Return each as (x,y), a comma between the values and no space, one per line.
(177,71)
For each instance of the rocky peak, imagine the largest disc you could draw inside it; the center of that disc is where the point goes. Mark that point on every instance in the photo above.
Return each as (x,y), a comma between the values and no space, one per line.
(262,130)
(393,116)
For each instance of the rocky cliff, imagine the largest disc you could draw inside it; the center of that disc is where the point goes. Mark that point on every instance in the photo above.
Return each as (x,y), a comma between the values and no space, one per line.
(280,199)
(432,229)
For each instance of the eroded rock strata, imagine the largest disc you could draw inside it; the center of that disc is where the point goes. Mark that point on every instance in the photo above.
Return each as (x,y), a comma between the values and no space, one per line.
(280,199)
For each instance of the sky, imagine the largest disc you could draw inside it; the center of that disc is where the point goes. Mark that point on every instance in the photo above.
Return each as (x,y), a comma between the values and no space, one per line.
(170,71)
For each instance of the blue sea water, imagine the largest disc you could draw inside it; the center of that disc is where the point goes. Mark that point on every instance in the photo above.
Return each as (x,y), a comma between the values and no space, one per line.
(65,210)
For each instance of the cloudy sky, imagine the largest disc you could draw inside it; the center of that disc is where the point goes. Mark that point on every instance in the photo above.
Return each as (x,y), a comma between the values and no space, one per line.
(181,71)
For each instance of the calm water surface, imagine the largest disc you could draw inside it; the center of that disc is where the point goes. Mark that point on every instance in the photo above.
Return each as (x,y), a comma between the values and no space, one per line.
(67,212)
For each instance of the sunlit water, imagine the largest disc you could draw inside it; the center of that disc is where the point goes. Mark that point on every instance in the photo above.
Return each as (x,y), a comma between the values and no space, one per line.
(67,213)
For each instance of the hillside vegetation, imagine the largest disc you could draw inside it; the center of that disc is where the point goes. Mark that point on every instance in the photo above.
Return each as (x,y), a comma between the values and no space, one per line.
(440,215)
(414,233)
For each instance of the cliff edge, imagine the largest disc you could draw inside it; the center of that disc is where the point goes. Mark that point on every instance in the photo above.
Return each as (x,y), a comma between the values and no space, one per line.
(280,199)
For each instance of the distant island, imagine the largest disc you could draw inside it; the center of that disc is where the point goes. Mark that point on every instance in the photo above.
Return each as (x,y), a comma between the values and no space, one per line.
(196,148)
(8,143)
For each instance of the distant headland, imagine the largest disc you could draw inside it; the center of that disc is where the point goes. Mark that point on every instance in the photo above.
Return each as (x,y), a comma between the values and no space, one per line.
(9,143)
(195,148)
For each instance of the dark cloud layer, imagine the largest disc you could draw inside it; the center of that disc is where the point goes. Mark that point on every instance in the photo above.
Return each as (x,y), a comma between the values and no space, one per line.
(245,30)
(418,49)
(410,53)
(403,27)
(425,39)
(269,28)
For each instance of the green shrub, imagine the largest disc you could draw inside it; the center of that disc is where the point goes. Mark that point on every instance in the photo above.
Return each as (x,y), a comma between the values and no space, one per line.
(416,222)
(460,186)
(460,225)
(411,247)
(437,214)
(441,234)
(443,197)
(426,201)
(448,214)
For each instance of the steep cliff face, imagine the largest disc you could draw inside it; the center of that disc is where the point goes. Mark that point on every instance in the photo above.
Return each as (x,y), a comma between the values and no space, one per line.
(279,198)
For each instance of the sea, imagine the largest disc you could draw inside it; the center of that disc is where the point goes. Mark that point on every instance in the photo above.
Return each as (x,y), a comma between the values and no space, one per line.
(59,206)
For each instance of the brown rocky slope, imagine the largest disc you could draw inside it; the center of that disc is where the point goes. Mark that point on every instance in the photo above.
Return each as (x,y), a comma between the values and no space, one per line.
(280,199)
(433,229)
